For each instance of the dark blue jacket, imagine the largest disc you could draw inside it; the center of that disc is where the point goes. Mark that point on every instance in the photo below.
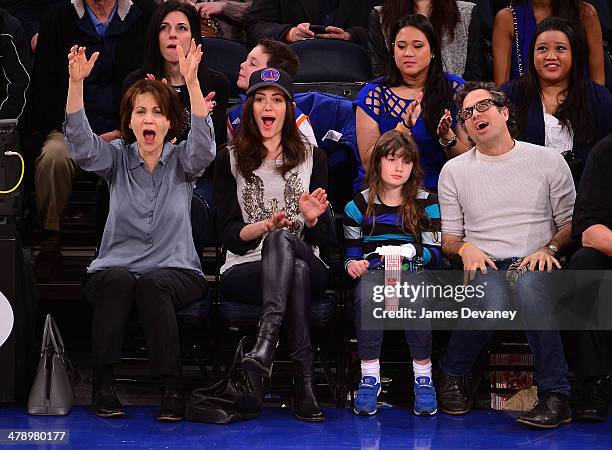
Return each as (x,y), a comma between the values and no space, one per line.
(599,101)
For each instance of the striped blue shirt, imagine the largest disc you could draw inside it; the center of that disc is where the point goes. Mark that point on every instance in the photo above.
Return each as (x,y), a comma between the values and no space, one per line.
(362,238)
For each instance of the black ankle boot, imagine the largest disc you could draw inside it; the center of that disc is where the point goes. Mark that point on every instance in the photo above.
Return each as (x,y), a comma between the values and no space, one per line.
(305,406)
(594,403)
(105,403)
(259,360)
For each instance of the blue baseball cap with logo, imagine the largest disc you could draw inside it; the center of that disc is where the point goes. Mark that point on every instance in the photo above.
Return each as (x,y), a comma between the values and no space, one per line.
(271,77)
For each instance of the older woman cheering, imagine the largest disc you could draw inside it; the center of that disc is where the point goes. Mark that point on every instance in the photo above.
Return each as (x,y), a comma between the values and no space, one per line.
(147,257)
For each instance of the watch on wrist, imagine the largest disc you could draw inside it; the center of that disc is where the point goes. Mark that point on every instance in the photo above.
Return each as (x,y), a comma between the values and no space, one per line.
(553,248)
(449,143)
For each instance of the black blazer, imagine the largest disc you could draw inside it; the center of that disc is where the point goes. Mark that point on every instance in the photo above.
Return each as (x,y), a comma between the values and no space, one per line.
(274,18)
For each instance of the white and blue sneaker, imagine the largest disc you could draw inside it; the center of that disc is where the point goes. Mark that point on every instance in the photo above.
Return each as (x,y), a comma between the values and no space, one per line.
(366,400)
(425,402)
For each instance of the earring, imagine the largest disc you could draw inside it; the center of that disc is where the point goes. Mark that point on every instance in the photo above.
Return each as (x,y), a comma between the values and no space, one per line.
(433,56)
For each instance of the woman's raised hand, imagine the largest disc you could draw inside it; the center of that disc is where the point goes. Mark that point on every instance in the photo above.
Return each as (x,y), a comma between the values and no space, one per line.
(313,205)
(210,102)
(413,111)
(444,126)
(79,67)
(188,65)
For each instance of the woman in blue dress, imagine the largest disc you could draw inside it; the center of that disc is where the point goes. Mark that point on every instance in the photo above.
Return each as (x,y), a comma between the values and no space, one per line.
(416,96)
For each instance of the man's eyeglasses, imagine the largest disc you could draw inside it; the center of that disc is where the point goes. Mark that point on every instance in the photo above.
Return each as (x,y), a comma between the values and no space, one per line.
(481,106)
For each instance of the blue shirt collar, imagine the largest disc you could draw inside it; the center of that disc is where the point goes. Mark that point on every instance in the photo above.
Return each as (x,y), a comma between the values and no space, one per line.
(135,160)
(99,26)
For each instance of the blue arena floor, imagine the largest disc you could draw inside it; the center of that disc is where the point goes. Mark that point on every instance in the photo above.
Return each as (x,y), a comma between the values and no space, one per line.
(392,428)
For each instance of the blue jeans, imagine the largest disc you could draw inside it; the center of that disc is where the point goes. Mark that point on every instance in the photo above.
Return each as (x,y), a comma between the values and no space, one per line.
(370,341)
(530,295)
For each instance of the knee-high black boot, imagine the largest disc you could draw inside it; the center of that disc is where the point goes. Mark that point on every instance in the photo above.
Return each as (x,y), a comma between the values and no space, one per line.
(277,256)
(297,320)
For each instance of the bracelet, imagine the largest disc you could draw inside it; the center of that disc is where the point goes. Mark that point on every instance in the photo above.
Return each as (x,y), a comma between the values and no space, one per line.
(462,248)
(289,35)
(449,143)
(402,128)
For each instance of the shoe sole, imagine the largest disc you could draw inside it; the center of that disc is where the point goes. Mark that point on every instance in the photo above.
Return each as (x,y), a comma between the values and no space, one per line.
(110,415)
(309,419)
(253,365)
(590,419)
(541,426)
(365,413)
(425,413)
(170,419)
(455,412)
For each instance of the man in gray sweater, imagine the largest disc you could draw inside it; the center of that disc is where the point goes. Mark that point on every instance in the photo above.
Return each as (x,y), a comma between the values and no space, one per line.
(506,204)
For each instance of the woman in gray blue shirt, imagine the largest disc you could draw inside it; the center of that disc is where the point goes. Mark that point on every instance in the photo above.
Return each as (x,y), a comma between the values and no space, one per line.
(147,258)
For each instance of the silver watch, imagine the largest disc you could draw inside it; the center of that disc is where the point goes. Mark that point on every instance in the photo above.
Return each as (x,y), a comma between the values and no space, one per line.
(553,248)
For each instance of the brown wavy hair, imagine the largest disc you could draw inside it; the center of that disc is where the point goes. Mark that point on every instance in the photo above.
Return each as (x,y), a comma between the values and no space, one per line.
(249,148)
(167,100)
(400,145)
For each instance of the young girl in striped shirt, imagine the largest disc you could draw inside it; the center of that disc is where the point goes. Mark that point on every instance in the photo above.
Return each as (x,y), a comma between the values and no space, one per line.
(394,210)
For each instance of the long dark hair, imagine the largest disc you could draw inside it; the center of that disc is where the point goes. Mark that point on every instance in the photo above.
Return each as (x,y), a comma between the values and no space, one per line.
(250,150)
(573,112)
(400,145)
(567,9)
(153,59)
(444,15)
(437,96)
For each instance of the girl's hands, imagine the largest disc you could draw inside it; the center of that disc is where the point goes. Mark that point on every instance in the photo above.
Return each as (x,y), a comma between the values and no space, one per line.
(79,67)
(357,269)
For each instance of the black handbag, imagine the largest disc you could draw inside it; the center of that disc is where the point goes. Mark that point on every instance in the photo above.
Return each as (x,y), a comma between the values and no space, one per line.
(238,396)
(52,392)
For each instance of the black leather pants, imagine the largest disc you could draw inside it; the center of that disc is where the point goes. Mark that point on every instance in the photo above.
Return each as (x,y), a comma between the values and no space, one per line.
(290,275)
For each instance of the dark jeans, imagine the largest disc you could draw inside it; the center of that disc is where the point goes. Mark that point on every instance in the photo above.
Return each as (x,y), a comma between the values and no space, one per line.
(591,355)
(283,283)
(530,295)
(370,341)
(157,295)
